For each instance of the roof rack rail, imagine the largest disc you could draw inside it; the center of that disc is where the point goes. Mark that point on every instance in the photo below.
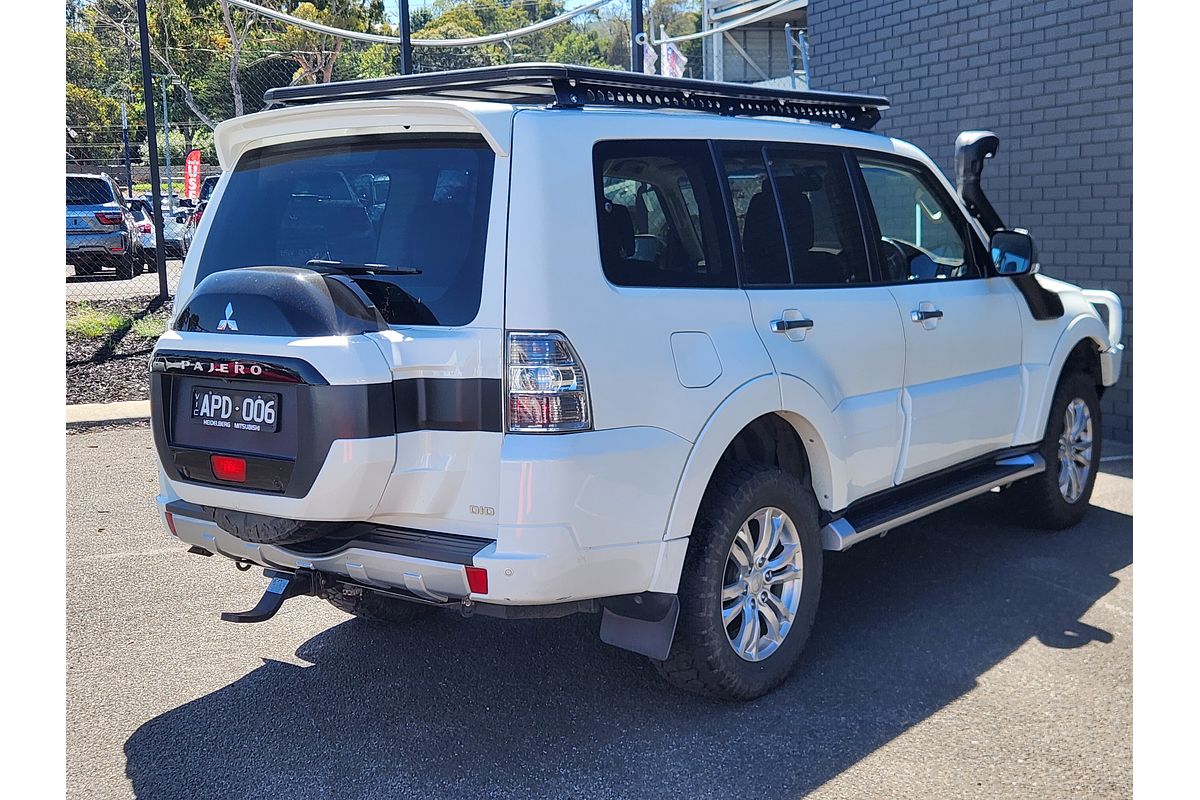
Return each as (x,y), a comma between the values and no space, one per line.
(563,86)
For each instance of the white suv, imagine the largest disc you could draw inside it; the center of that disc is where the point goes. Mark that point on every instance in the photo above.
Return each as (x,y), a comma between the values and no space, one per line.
(538,340)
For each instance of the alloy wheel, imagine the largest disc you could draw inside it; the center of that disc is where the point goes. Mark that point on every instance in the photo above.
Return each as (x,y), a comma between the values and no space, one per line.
(1075,450)
(764,573)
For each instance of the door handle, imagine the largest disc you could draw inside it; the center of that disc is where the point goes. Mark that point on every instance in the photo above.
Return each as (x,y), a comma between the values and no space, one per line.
(785,325)
(922,316)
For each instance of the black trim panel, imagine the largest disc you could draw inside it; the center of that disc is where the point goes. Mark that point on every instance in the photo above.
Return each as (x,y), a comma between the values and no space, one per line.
(448,404)
(313,416)
(1043,303)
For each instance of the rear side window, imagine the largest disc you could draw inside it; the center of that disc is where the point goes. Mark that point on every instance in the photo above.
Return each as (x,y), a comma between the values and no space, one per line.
(797,222)
(88,191)
(658,215)
(405,216)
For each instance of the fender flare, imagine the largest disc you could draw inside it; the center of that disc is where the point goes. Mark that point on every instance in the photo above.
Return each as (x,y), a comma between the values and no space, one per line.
(810,417)
(1082,327)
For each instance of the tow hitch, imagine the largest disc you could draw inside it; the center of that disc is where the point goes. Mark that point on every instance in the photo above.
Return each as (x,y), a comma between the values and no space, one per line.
(283,585)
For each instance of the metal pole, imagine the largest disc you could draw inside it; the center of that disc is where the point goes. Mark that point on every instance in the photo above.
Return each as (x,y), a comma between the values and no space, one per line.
(167,147)
(160,249)
(125,145)
(637,58)
(802,44)
(406,65)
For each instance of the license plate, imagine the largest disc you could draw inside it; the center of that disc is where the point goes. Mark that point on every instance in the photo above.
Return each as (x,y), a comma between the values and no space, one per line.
(245,411)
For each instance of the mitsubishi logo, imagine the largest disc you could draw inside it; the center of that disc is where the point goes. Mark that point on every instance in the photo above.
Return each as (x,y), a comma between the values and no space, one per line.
(229,323)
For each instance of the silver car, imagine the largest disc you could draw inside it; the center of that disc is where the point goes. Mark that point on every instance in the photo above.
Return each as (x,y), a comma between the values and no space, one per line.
(173,228)
(100,228)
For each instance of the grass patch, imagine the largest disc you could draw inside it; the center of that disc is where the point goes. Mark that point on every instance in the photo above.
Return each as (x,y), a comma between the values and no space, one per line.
(93,323)
(150,327)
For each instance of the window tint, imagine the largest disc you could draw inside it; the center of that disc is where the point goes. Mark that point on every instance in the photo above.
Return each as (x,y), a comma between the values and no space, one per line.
(88,191)
(658,217)
(819,242)
(398,201)
(923,237)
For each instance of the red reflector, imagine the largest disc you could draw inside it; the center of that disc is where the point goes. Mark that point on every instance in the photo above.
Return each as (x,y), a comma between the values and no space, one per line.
(171,523)
(477,580)
(229,468)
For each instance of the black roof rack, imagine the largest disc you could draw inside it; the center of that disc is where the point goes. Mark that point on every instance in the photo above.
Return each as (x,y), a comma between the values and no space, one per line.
(563,86)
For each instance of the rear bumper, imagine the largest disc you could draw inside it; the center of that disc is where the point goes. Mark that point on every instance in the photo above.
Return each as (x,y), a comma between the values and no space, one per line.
(429,566)
(90,245)
(547,569)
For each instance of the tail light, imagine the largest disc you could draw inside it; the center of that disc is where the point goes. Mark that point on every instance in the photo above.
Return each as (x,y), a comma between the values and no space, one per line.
(144,227)
(108,218)
(197,214)
(547,385)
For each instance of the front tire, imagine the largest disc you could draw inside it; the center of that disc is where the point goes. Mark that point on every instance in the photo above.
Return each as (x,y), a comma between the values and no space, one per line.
(1058,498)
(749,590)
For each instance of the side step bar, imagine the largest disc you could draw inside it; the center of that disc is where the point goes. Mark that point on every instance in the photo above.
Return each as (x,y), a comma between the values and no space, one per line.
(872,519)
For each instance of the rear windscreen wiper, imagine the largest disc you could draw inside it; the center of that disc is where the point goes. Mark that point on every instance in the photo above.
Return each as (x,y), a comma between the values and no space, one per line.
(370,269)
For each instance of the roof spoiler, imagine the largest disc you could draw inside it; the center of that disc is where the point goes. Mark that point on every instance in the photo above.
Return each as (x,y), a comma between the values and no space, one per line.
(971,149)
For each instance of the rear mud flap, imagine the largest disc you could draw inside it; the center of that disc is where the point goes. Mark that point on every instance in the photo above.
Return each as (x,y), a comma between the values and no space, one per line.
(643,623)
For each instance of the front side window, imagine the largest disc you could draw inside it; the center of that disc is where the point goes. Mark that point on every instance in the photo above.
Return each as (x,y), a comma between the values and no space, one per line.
(922,235)
(406,217)
(658,217)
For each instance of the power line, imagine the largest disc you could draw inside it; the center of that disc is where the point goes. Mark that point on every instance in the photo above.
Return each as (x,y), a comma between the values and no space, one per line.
(377,38)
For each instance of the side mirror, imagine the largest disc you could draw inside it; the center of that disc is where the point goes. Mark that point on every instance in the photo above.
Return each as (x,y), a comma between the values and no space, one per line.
(1013,252)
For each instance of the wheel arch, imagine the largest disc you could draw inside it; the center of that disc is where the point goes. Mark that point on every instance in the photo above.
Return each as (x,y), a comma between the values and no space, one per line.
(742,424)
(1078,348)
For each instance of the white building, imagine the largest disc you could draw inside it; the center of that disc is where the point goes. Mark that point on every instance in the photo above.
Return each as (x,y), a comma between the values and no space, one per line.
(758,52)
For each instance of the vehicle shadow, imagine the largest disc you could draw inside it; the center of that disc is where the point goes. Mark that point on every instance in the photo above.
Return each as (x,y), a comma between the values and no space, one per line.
(481,707)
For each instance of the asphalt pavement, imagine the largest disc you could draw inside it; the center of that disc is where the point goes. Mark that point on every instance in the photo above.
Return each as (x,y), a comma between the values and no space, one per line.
(960,656)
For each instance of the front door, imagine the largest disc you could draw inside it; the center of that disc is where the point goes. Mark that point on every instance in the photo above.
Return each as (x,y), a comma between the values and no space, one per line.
(962,329)
(814,305)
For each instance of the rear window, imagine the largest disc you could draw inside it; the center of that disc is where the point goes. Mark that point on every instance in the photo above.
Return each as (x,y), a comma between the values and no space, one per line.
(403,202)
(88,191)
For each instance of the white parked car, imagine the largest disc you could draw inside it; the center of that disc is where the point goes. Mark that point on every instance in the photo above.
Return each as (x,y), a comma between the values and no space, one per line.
(604,342)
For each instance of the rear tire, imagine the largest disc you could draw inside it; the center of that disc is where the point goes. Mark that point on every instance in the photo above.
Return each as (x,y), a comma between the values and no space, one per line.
(373,606)
(718,596)
(1058,498)
(128,266)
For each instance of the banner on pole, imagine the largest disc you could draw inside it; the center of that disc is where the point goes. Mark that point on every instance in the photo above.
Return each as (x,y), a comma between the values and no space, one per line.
(649,58)
(191,175)
(673,60)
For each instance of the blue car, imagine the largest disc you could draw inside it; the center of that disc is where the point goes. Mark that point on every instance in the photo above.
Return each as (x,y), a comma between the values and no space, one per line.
(101,231)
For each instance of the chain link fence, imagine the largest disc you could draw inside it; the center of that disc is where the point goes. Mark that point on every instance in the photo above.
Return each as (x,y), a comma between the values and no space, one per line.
(213,60)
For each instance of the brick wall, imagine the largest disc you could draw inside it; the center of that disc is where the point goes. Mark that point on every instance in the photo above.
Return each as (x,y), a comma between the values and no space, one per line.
(1053,79)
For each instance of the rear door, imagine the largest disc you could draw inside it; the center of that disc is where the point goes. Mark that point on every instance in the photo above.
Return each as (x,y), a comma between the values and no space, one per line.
(962,330)
(417,222)
(815,307)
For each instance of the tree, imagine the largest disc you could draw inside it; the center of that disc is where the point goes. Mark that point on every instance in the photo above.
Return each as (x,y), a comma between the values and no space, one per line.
(317,53)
